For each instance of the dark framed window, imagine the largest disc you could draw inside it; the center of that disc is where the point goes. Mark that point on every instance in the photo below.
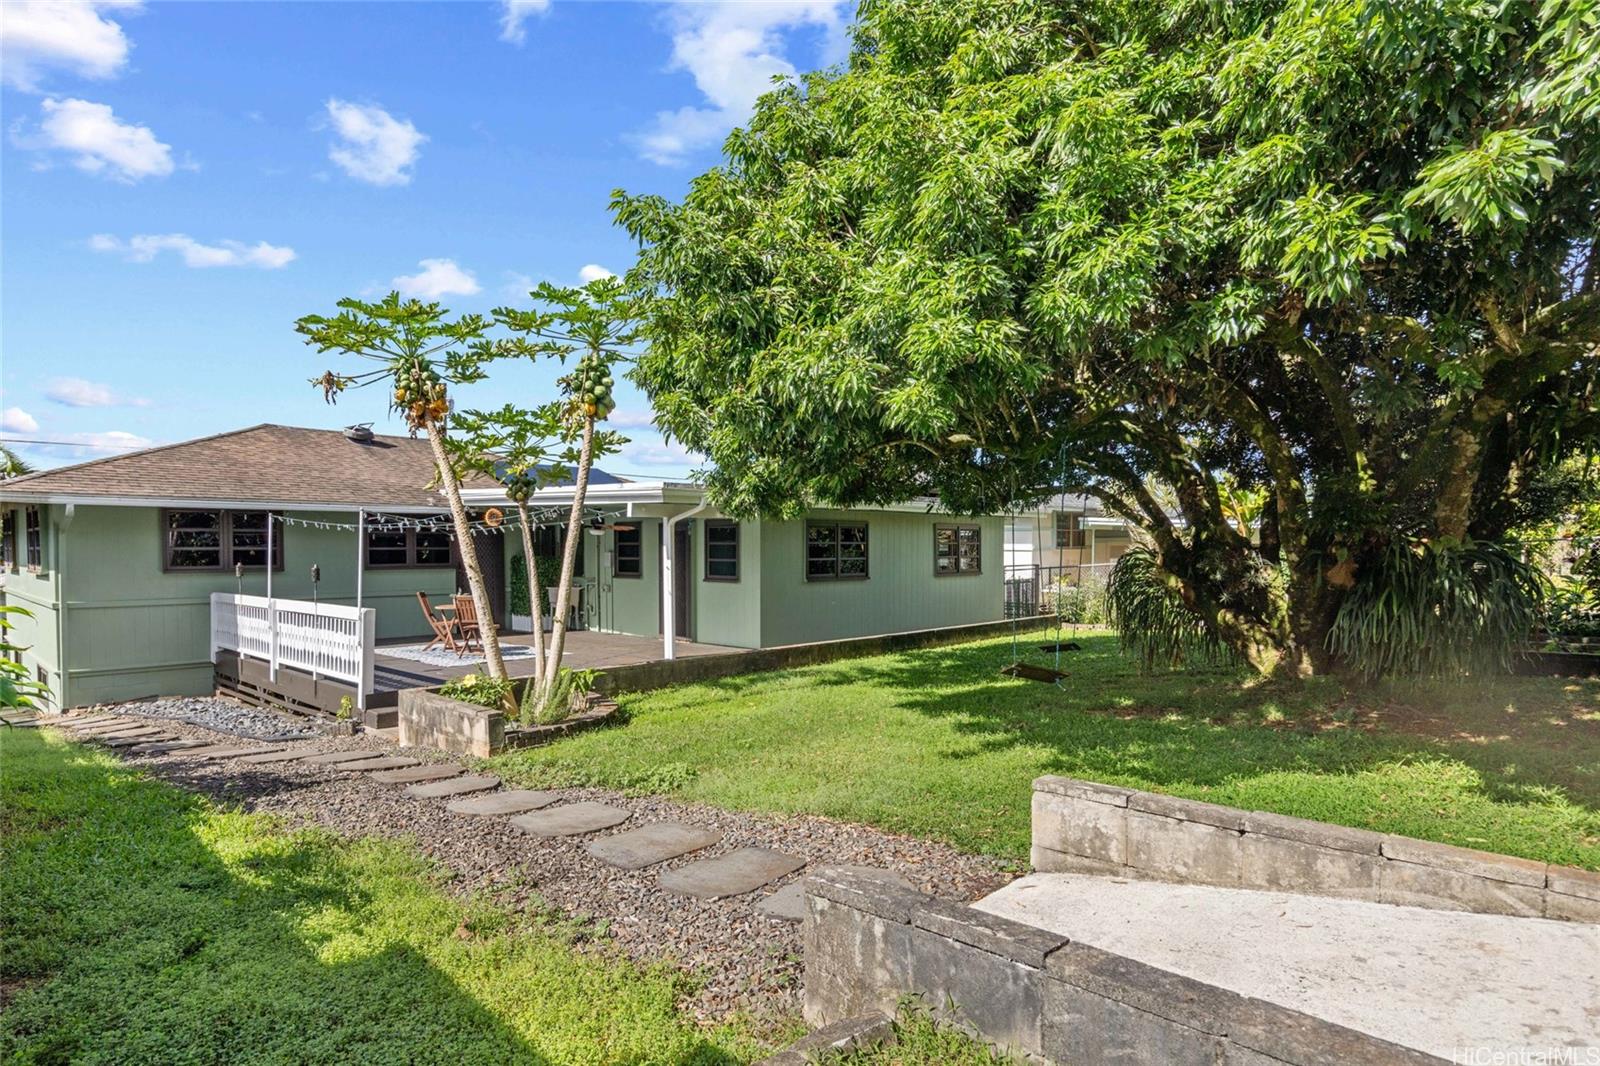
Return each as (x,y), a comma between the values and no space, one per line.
(722,550)
(1069,530)
(8,539)
(413,549)
(34,546)
(627,558)
(957,550)
(836,551)
(548,541)
(216,540)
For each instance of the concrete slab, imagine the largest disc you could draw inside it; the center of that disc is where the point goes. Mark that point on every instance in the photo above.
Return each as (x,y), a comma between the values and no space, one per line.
(788,904)
(124,731)
(167,747)
(331,758)
(732,874)
(225,751)
(140,738)
(381,762)
(268,757)
(413,775)
(650,844)
(511,801)
(455,786)
(1435,981)
(571,819)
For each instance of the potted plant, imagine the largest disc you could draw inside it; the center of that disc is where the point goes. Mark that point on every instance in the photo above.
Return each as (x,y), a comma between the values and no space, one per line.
(521,605)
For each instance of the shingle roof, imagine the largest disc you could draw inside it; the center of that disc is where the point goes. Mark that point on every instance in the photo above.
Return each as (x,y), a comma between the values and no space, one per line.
(262,464)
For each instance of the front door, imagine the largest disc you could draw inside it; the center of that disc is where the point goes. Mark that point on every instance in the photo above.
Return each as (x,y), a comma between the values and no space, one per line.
(683,578)
(492,561)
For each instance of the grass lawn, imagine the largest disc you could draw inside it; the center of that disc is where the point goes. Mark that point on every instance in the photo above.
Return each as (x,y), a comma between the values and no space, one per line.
(142,924)
(935,743)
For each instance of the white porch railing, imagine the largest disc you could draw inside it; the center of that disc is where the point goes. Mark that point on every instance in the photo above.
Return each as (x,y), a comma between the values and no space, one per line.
(325,640)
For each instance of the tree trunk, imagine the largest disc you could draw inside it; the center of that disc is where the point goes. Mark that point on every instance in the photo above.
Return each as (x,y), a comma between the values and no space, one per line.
(558,629)
(534,595)
(469,555)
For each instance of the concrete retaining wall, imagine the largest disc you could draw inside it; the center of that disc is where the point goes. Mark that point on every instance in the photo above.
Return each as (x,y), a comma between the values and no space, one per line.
(1084,827)
(869,943)
(429,720)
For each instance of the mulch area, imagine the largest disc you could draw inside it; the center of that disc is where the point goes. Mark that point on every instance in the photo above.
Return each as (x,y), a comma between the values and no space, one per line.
(743,961)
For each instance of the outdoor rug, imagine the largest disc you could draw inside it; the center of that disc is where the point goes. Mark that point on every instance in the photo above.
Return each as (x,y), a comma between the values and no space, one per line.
(445,657)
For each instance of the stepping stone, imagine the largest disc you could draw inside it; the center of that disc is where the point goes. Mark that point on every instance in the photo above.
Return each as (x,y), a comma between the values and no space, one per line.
(117,730)
(382,762)
(650,844)
(142,738)
(511,801)
(571,819)
(416,774)
(732,874)
(788,904)
(135,735)
(331,758)
(30,723)
(163,747)
(456,786)
(287,755)
(221,751)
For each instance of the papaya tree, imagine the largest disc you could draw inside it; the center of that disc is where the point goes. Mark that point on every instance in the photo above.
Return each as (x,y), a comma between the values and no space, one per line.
(593,326)
(1341,254)
(524,450)
(419,352)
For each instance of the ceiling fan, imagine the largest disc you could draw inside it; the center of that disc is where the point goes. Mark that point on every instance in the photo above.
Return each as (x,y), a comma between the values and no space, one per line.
(598,526)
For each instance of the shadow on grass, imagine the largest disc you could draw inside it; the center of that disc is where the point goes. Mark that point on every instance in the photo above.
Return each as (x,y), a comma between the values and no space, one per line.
(143,926)
(1208,725)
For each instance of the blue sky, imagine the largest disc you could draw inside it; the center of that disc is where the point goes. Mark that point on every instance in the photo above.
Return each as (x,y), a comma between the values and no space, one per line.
(183,180)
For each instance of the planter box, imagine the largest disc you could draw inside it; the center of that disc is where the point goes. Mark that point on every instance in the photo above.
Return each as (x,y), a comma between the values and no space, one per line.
(429,720)
(522,623)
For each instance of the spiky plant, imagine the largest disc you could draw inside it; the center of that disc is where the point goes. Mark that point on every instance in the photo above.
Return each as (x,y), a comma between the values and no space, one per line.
(1152,622)
(1438,610)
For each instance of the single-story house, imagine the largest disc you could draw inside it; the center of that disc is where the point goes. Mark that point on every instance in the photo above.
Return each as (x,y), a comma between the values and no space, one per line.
(1067,533)
(118,558)
(763,583)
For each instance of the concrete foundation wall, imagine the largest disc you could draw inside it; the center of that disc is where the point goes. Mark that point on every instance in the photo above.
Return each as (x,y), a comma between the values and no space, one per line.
(1084,827)
(869,943)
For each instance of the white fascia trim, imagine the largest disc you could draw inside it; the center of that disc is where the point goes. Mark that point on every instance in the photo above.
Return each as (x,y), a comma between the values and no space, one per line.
(218,504)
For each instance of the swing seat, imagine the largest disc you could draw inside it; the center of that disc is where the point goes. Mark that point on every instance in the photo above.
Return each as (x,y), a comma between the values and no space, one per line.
(1070,645)
(1029,672)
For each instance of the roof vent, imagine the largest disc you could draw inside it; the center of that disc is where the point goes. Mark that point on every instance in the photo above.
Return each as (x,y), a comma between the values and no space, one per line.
(360,433)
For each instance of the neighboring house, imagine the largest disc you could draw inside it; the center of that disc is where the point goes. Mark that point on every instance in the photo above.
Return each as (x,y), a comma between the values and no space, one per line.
(1067,534)
(761,583)
(117,558)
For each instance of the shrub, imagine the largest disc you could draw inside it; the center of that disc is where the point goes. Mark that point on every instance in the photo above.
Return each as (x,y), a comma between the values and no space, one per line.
(479,689)
(517,591)
(570,687)
(1438,610)
(1151,621)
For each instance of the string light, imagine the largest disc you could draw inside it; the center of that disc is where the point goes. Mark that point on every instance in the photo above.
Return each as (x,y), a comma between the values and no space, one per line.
(380,523)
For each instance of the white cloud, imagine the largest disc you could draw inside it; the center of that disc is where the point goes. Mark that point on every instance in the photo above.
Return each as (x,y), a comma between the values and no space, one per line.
(16,420)
(78,447)
(513,13)
(594,272)
(41,35)
(80,392)
(438,277)
(632,418)
(657,453)
(146,246)
(98,141)
(732,49)
(373,145)
(517,286)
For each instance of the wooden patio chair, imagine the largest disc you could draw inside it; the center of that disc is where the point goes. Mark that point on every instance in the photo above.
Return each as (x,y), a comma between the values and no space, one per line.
(467,623)
(444,629)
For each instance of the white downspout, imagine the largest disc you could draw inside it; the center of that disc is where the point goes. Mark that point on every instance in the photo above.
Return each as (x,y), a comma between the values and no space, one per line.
(669,609)
(361,551)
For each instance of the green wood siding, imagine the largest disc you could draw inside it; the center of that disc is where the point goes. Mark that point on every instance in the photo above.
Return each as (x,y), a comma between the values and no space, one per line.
(133,629)
(729,612)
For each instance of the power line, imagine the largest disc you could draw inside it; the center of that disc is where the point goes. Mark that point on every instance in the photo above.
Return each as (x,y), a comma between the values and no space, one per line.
(74,444)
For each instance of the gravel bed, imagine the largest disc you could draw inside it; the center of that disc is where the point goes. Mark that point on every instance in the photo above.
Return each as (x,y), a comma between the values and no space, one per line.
(218,715)
(744,962)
